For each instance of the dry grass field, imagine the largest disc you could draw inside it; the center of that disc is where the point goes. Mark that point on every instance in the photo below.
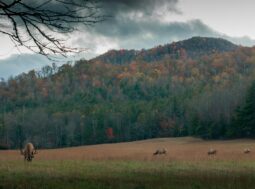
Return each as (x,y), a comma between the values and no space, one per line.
(132,165)
(183,149)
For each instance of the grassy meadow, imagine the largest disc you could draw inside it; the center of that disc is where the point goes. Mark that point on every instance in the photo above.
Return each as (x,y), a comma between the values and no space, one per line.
(132,166)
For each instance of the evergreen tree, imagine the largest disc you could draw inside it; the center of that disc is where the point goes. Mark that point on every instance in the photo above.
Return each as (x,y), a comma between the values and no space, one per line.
(244,122)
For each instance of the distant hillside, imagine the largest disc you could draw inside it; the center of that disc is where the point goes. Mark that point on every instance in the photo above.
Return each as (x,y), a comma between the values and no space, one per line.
(191,87)
(191,48)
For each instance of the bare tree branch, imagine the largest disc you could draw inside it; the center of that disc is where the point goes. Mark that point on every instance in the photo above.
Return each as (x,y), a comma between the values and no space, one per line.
(40,25)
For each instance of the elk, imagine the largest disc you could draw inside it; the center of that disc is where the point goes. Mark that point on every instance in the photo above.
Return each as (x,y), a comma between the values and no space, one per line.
(160,151)
(28,152)
(212,152)
(246,151)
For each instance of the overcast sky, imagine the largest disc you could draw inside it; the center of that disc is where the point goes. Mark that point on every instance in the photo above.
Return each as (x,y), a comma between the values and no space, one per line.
(137,24)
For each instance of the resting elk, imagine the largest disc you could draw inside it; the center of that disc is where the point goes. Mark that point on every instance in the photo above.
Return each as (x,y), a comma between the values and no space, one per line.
(28,152)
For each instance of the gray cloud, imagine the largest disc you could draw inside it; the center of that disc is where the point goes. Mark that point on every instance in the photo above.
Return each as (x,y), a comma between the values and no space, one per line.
(136,24)
(129,16)
(132,34)
(115,7)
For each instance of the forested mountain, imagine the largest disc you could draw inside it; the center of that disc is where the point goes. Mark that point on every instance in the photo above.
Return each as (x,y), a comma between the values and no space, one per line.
(190,48)
(203,93)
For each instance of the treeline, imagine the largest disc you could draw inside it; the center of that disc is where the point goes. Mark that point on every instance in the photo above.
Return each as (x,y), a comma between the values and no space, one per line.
(92,102)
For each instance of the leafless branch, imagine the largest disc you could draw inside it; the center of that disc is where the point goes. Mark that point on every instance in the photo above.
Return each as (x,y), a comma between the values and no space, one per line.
(38,25)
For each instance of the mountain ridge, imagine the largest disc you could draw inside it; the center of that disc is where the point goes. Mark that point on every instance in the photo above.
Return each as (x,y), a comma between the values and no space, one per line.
(194,48)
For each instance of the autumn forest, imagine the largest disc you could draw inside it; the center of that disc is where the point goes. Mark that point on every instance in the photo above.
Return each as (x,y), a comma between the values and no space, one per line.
(201,87)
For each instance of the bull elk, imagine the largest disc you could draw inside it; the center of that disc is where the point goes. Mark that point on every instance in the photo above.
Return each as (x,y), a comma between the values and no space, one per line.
(160,151)
(212,152)
(28,152)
